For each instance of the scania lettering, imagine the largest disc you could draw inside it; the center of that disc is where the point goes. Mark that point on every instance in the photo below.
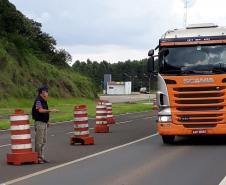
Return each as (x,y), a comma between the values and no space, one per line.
(191,74)
(198,80)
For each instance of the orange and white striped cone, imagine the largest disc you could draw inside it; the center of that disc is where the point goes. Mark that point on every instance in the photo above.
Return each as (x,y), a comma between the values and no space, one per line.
(21,145)
(81,127)
(101,118)
(110,117)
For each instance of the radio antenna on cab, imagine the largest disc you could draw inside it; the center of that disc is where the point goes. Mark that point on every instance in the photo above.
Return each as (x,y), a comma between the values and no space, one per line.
(185,12)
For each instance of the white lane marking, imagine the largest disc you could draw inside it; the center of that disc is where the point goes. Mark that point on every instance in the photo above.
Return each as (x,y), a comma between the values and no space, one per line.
(132,113)
(1,146)
(5,130)
(123,122)
(89,128)
(77,160)
(61,122)
(70,133)
(68,121)
(148,117)
(223,182)
(119,123)
(5,145)
(128,113)
(132,120)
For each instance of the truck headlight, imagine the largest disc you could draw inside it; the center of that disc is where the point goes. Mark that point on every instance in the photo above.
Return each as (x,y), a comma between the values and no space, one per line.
(164,119)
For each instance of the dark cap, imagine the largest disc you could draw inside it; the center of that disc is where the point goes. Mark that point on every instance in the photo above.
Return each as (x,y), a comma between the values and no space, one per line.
(43,88)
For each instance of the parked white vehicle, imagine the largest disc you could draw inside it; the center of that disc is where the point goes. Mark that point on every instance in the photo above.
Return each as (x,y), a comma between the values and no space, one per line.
(143,90)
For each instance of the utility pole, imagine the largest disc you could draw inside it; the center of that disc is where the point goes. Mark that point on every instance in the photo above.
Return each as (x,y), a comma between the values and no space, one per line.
(185,12)
(149,85)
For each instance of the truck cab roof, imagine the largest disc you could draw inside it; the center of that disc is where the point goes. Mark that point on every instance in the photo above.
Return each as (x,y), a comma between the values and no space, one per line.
(196,30)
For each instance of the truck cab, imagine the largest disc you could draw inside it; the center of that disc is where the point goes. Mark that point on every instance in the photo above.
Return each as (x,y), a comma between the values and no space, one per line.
(191,70)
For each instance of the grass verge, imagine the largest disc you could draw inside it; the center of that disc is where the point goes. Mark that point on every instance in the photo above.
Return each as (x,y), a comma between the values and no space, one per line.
(66,107)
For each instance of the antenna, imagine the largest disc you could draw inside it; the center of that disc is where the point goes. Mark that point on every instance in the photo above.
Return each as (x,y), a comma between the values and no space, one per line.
(185,12)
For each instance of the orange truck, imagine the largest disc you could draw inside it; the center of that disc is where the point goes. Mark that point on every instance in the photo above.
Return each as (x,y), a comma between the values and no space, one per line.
(191,72)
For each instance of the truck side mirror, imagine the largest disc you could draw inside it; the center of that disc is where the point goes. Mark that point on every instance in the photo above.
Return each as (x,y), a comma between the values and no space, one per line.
(150,52)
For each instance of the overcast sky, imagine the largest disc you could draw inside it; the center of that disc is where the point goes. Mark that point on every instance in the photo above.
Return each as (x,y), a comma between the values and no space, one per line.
(116,30)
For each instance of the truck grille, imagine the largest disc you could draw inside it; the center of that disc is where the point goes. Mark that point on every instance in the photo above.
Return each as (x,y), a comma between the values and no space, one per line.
(199,105)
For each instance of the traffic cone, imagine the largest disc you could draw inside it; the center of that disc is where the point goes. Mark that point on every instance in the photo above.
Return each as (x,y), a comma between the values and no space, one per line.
(110,117)
(101,118)
(81,127)
(21,145)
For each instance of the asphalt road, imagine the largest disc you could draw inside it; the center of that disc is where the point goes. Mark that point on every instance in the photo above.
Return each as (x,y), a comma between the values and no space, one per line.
(129,127)
(123,158)
(127,98)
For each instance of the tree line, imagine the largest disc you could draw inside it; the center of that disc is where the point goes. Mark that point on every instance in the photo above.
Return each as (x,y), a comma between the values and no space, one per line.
(135,71)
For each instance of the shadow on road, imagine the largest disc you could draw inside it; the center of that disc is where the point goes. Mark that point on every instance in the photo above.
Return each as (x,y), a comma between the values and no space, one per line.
(200,140)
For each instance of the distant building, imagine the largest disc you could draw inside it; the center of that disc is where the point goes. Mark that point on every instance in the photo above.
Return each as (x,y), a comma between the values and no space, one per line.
(119,88)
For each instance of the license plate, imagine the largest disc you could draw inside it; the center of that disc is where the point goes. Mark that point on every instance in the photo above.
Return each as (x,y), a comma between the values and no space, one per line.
(198,132)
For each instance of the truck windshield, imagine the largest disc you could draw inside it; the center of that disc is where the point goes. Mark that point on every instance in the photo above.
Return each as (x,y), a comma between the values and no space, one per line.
(201,59)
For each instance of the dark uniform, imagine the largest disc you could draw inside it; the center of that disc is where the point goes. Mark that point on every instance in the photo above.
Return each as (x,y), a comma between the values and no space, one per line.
(41,122)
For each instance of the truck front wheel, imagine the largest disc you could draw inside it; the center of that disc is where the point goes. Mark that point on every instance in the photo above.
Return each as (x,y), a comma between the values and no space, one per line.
(168,139)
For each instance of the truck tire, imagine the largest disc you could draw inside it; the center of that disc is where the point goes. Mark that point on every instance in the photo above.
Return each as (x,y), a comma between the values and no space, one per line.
(168,139)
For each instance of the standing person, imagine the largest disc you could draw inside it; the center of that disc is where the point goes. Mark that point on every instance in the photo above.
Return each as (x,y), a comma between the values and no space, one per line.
(40,113)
